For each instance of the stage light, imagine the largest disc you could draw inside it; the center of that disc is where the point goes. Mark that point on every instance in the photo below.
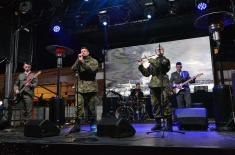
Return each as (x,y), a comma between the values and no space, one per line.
(25,6)
(149,16)
(1,103)
(148,9)
(104,17)
(173,7)
(201,4)
(105,23)
(148,13)
(56,28)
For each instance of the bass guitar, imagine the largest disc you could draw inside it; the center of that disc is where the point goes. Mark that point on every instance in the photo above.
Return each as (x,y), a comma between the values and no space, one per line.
(17,97)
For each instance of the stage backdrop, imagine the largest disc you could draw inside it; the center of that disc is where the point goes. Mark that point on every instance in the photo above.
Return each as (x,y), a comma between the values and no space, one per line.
(122,67)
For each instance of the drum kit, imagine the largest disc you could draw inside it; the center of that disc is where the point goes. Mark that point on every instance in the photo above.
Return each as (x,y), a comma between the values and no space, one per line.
(132,109)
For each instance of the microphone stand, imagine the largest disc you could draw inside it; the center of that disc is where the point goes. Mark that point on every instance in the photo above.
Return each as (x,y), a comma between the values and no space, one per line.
(162,117)
(76,90)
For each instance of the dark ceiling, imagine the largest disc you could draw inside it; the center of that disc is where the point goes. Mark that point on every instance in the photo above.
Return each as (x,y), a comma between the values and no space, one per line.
(79,19)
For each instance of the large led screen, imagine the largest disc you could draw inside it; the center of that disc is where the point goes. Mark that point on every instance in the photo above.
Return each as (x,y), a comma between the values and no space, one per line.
(122,66)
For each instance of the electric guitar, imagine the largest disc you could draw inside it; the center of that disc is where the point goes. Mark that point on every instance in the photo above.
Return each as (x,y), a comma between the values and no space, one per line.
(18,96)
(180,87)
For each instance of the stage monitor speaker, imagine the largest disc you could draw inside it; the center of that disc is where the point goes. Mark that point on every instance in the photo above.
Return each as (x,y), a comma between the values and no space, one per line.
(57,110)
(192,118)
(116,128)
(222,105)
(41,128)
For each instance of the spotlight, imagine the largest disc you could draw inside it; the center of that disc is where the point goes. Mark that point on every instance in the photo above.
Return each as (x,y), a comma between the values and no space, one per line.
(103,17)
(105,23)
(25,6)
(56,28)
(173,7)
(201,4)
(148,9)
(149,16)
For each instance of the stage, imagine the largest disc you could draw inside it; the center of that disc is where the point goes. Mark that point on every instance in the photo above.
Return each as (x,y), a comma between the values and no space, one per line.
(13,141)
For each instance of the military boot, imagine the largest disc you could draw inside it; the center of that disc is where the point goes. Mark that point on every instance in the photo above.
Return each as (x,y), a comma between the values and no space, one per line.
(169,126)
(157,126)
(76,127)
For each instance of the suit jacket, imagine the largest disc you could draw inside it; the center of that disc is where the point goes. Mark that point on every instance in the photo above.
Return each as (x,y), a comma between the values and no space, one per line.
(20,82)
(177,78)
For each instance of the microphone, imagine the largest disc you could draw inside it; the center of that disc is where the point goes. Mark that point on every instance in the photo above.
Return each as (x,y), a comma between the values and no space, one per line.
(159,50)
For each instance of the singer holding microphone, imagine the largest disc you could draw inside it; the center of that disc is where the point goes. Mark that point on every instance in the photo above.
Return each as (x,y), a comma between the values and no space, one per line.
(159,87)
(86,88)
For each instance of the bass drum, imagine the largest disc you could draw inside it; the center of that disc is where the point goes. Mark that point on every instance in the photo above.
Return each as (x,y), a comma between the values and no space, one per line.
(125,112)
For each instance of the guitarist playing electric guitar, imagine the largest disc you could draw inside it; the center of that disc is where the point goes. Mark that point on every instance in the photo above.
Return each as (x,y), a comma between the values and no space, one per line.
(180,83)
(24,90)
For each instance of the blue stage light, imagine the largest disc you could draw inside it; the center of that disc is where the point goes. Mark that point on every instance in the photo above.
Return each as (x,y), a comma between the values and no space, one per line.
(56,28)
(201,6)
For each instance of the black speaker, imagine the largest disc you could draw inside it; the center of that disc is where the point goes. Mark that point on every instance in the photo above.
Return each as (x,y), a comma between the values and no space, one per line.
(233,88)
(116,128)
(57,110)
(4,124)
(41,128)
(222,105)
(192,118)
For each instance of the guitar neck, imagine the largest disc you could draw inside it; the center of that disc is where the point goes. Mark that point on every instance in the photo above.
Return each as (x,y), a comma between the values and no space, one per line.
(187,81)
(22,89)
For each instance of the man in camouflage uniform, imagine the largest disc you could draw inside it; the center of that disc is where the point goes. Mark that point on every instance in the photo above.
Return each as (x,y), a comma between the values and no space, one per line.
(24,89)
(159,87)
(86,87)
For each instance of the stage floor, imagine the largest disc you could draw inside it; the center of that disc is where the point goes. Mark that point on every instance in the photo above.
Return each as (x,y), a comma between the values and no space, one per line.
(209,141)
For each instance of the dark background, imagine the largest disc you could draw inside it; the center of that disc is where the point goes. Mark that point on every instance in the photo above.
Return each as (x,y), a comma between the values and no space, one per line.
(80,26)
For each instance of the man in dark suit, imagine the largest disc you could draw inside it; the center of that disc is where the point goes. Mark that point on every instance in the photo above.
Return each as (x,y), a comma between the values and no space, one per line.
(182,92)
(24,88)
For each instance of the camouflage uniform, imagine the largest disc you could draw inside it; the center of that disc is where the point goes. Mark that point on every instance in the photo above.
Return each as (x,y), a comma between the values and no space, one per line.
(158,68)
(86,86)
(27,95)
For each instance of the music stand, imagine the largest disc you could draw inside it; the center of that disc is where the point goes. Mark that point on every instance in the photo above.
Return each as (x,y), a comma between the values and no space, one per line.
(57,109)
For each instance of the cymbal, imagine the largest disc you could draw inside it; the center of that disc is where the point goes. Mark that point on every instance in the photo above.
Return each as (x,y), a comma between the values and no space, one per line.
(52,49)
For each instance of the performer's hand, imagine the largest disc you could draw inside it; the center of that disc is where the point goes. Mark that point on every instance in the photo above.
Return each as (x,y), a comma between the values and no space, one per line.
(80,57)
(178,85)
(17,91)
(27,84)
(140,62)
